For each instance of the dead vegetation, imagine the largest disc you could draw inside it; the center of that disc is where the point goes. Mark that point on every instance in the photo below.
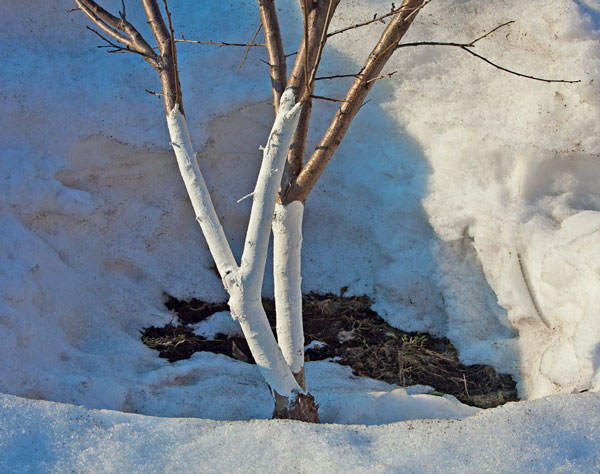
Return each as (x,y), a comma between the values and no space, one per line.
(349,332)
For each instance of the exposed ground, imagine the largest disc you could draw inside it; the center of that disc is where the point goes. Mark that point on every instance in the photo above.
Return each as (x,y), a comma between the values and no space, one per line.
(352,334)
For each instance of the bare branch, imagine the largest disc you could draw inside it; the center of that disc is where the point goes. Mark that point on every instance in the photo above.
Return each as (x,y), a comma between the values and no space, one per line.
(485,35)
(104,20)
(167,66)
(343,76)
(375,19)
(274,42)
(153,93)
(329,99)
(467,47)
(116,48)
(306,49)
(384,76)
(317,20)
(336,76)
(518,73)
(158,26)
(385,47)
(214,43)
(117,28)
(313,72)
(173,55)
(249,48)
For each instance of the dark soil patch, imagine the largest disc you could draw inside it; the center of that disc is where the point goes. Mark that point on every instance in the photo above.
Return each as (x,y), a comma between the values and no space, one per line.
(356,336)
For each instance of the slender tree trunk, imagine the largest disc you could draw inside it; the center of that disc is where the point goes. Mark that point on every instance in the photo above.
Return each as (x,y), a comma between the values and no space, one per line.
(287,245)
(244,283)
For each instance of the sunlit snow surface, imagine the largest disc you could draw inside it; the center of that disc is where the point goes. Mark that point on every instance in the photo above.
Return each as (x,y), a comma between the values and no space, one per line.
(558,434)
(465,201)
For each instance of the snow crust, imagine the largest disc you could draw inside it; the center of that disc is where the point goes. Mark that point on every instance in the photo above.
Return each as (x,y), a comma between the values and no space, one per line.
(464,200)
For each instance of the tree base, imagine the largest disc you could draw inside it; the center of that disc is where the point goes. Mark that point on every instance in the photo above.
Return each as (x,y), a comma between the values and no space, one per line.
(301,407)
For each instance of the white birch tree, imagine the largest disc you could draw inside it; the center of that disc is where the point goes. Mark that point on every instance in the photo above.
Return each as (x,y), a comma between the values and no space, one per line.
(284,180)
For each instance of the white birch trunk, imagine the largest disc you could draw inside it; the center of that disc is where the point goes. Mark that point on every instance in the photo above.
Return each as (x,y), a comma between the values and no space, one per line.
(244,283)
(287,276)
(199,195)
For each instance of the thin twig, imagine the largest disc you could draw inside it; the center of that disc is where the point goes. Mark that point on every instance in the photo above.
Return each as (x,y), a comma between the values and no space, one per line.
(336,76)
(322,41)
(375,19)
(541,79)
(384,76)
(215,43)
(330,99)
(153,93)
(485,35)
(249,48)
(467,47)
(116,48)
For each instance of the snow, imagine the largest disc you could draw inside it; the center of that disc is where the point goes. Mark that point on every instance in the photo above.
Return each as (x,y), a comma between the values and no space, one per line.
(557,434)
(463,200)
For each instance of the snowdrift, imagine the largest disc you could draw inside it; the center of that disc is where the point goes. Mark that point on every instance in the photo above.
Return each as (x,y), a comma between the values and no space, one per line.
(464,200)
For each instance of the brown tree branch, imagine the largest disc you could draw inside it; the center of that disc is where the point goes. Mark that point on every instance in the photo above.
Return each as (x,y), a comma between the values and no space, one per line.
(385,47)
(158,26)
(274,43)
(118,28)
(318,18)
(127,35)
(323,39)
(167,67)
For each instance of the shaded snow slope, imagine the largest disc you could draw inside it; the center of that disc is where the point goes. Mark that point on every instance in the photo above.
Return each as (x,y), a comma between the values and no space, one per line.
(515,166)
(557,434)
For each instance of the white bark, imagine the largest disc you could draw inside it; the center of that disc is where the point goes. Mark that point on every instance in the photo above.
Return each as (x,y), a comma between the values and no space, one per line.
(244,283)
(199,196)
(265,193)
(287,245)
(246,305)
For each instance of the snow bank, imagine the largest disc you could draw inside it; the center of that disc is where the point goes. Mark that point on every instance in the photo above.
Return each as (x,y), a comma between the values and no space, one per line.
(557,434)
(97,225)
(515,166)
